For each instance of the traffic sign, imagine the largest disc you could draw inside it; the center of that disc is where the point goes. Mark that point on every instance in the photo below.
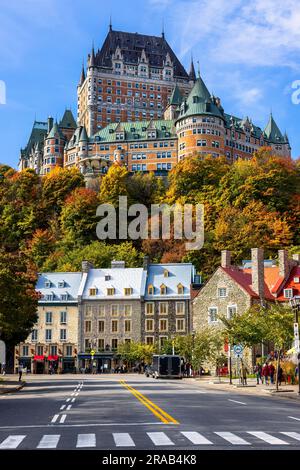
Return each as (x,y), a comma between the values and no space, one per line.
(93,352)
(296,336)
(238,348)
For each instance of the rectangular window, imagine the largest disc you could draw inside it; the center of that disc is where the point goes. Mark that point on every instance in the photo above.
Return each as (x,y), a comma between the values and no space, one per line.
(110,291)
(114,310)
(87,344)
(25,350)
(231,311)
(88,326)
(127,310)
(288,293)
(114,343)
(69,351)
(101,311)
(114,326)
(163,325)
(180,308)
(149,325)
(34,335)
(163,308)
(149,340)
(149,308)
(222,292)
(63,317)
(40,350)
(63,334)
(127,291)
(180,324)
(162,341)
(48,318)
(48,335)
(101,326)
(127,326)
(100,344)
(93,291)
(53,350)
(212,315)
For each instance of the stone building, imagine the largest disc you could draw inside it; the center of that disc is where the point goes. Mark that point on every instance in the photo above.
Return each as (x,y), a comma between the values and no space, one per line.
(53,342)
(232,290)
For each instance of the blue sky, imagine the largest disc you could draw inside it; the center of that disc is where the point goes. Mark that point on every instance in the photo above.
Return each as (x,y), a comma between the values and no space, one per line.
(249,55)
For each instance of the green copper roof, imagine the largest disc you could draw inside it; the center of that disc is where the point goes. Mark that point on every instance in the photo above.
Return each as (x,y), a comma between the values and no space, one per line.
(83,135)
(38,133)
(176,97)
(198,102)
(272,132)
(55,132)
(137,130)
(68,120)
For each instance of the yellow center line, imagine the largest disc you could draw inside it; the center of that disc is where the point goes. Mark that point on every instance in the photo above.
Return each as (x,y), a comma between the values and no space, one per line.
(156,410)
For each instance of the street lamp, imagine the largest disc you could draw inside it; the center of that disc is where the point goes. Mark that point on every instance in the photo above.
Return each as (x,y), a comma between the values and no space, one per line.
(295,304)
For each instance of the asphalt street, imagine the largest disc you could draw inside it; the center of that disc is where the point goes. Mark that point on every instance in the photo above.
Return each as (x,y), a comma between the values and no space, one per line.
(135,412)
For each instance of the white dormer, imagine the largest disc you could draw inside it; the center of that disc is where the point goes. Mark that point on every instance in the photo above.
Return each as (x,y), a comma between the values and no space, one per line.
(61,284)
(93,291)
(47,284)
(117,61)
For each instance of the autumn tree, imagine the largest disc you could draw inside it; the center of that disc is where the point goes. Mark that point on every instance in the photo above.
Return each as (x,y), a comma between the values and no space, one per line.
(57,185)
(113,185)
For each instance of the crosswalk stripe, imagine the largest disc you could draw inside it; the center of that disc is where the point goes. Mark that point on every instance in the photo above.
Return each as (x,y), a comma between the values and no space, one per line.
(294,435)
(123,439)
(63,418)
(62,407)
(196,438)
(232,438)
(11,442)
(86,440)
(73,399)
(49,441)
(268,438)
(160,439)
(54,419)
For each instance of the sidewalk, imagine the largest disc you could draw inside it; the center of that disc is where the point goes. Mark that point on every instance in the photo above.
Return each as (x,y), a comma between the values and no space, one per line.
(9,385)
(213,383)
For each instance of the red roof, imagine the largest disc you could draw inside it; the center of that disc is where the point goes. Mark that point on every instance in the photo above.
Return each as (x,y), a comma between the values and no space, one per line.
(290,284)
(244,279)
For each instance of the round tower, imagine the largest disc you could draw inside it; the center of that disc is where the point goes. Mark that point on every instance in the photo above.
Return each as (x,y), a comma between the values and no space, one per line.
(200,124)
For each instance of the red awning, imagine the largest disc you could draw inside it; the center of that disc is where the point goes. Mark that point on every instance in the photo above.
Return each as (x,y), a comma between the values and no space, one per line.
(38,358)
(52,358)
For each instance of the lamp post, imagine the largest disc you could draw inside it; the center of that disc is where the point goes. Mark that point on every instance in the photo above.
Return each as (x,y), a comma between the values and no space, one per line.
(295,304)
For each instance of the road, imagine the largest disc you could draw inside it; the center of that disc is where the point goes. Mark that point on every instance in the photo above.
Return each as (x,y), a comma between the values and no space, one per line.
(134,412)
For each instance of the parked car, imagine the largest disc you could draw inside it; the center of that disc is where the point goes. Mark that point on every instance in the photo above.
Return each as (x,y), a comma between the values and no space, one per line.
(165,366)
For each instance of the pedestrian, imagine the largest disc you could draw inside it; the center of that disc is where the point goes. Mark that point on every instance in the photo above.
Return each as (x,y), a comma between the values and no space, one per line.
(280,375)
(3,368)
(258,372)
(266,373)
(20,370)
(244,375)
(271,372)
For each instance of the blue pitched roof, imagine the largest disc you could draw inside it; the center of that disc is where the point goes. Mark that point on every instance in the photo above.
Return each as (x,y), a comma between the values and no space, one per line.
(178,273)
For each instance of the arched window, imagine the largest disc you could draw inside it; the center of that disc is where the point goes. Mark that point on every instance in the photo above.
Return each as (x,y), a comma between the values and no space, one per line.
(150,289)
(180,289)
(163,289)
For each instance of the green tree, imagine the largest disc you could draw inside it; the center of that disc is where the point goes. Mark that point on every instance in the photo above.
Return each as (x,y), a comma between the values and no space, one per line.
(57,185)
(113,185)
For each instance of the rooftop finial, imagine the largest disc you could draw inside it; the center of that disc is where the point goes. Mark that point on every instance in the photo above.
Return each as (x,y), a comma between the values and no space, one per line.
(163,29)
(198,71)
(110,24)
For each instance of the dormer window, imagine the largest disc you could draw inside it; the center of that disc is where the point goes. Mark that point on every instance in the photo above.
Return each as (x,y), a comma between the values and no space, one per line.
(163,289)
(61,284)
(296,280)
(127,291)
(150,289)
(166,273)
(49,296)
(288,293)
(107,277)
(111,291)
(64,296)
(180,289)
(47,284)
(93,291)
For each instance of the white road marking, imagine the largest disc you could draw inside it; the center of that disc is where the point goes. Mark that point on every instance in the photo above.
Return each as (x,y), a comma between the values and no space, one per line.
(62,407)
(54,419)
(72,394)
(239,402)
(268,438)
(123,439)
(49,441)
(294,435)
(12,442)
(62,419)
(196,438)
(86,440)
(232,438)
(73,399)
(76,394)
(68,399)
(69,407)
(293,417)
(160,439)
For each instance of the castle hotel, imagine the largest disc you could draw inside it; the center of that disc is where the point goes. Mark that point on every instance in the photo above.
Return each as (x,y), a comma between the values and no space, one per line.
(137,105)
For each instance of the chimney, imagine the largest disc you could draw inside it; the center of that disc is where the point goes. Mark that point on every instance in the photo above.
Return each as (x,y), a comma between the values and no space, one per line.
(86,266)
(225,259)
(146,262)
(50,124)
(283,262)
(118,264)
(296,257)
(257,270)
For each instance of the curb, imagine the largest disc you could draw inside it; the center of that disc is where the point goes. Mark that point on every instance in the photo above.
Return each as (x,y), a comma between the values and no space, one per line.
(12,390)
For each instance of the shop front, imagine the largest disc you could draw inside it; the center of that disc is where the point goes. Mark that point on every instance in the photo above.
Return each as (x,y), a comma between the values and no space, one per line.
(26,363)
(68,365)
(100,363)
(53,364)
(38,364)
